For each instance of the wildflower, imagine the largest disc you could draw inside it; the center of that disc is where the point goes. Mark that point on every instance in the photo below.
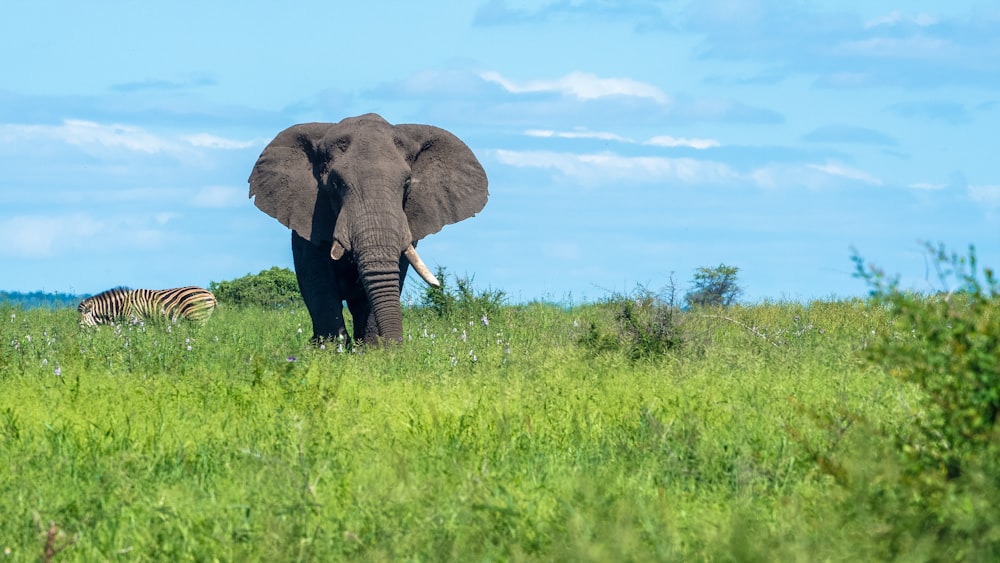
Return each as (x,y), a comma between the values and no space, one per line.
(425,332)
(58,372)
(340,347)
(506,350)
(322,346)
(168,328)
(463,335)
(454,361)
(486,321)
(188,347)
(27,337)
(7,551)
(290,358)
(45,361)
(300,330)
(576,323)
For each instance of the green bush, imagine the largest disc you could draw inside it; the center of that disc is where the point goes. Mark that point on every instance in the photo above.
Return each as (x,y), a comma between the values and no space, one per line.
(643,325)
(276,287)
(463,300)
(934,492)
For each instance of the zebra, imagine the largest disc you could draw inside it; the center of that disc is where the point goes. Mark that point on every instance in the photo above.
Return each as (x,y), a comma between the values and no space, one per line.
(124,304)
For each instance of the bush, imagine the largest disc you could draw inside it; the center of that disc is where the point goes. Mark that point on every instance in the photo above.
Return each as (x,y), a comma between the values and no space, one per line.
(463,300)
(276,287)
(948,345)
(936,488)
(714,287)
(645,325)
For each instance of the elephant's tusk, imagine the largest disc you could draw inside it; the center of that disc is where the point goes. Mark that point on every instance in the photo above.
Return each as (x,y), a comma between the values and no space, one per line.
(420,267)
(337,250)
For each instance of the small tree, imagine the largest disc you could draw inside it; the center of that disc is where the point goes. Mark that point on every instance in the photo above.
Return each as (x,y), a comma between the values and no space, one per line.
(270,288)
(714,287)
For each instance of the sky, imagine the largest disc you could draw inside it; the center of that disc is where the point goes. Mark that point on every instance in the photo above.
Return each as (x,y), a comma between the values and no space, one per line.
(627,142)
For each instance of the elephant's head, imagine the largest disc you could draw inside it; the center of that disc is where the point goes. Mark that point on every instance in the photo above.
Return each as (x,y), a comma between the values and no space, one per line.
(367,191)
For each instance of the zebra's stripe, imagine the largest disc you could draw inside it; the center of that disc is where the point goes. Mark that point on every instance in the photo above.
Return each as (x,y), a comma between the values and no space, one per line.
(121,304)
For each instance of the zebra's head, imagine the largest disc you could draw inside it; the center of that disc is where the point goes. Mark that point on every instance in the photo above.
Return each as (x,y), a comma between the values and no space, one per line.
(87,315)
(103,307)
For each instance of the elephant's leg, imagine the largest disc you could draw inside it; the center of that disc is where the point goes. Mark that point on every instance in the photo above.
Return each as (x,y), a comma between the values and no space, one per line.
(364,320)
(319,286)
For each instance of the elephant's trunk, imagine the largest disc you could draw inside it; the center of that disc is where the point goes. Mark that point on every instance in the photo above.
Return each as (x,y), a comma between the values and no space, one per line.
(381,281)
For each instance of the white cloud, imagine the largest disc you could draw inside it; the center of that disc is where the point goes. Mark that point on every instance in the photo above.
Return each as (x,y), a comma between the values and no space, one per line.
(668,141)
(916,47)
(220,196)
(35,236)
(986,195)
(846,172)
(927,186)
(658,141)
(603,167)
(89,136)
(205,140)
(581,85)
(578,135)
(897,17)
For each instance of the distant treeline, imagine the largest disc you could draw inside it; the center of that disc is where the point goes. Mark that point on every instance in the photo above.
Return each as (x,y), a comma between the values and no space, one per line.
(40,299)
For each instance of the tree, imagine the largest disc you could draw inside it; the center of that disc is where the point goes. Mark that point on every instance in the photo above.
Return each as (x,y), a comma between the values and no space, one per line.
(714,287)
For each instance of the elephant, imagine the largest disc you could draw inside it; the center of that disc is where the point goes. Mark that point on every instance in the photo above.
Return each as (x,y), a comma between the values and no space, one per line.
(358,195)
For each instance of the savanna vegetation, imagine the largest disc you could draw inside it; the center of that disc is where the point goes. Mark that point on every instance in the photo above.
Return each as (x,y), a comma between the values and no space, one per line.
(630,429)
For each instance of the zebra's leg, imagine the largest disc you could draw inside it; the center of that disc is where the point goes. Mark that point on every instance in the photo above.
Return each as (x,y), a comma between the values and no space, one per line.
(317,277)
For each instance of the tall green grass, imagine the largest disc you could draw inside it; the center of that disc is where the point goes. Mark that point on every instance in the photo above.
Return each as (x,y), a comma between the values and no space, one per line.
(496,437)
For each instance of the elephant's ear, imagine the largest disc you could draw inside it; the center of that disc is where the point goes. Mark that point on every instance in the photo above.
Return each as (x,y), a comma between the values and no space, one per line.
(447,183)
(284,182)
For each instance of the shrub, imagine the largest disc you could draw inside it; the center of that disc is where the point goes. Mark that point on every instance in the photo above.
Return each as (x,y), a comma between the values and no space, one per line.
(463,300)
(714,287)
(948,345)
(276,287)
(645,325)
(936,488)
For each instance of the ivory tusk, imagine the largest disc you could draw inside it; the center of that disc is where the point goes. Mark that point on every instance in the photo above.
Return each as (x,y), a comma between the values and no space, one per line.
(337,250)
(420,267)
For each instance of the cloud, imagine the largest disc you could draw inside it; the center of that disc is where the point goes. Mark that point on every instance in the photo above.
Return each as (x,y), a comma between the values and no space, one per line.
(490,98)
(219,196)
(163,85)
(839,49)
(582,85)
(610,169)
(607,167)
(849,173)
(657,141)
(896,18)
(668,141)
(949,112)
(642,14)
(927,186)
(37,236)
(848,134)
(89,136)
(214,142)
(985,195)
(548,133)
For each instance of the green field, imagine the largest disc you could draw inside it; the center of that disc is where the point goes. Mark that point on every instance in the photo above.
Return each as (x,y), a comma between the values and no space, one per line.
(764,433)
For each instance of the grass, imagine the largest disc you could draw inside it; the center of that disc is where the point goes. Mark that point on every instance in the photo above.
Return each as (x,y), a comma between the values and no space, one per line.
(471,441)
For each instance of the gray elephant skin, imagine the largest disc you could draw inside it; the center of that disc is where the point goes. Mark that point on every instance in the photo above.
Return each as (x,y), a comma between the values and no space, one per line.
(358,195)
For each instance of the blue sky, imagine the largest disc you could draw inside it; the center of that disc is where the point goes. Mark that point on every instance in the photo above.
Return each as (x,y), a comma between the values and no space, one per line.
(624,141)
